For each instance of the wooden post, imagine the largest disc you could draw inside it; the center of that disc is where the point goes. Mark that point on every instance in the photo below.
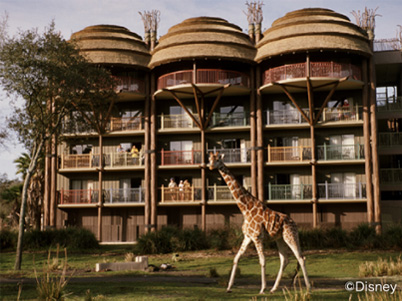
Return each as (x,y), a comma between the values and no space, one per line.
(147,205)
(367,146)
(100,185)
(253,132)
(203,167)
(53,183)
(260,139)
(153,188)
(46,197)
(374,144)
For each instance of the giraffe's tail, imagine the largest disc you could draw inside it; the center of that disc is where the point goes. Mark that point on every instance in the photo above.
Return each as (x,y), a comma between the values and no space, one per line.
(296,272)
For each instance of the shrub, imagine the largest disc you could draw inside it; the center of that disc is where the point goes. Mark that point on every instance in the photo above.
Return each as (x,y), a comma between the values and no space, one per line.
(393,236)
(336,238)
(8,240)
(365,237)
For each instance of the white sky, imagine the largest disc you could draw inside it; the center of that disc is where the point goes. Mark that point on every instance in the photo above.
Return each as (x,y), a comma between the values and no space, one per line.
(74,15)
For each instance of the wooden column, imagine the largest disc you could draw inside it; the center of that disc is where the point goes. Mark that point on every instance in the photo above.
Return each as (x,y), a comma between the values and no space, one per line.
(260,139)
(147,173)
(46,196)
(367,146)
(374,144)
(53,183)
(253,132)
(153,184)
(100,186)
(203,183)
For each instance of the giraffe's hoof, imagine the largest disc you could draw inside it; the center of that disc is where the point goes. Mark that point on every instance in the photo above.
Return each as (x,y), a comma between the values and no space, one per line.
(262,292)
(272,291)
(228,291)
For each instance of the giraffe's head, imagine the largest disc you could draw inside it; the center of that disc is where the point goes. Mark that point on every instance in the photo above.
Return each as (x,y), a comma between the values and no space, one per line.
(215,160)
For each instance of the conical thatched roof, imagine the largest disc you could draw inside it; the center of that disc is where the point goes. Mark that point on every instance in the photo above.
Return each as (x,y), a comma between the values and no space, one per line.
(312,29)
(109,44)
(203,37)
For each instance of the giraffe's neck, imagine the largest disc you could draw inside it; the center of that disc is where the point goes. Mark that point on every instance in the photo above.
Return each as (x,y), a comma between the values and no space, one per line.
(234,186)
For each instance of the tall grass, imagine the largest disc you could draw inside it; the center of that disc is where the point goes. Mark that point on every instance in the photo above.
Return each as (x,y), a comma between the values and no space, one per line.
(381,267)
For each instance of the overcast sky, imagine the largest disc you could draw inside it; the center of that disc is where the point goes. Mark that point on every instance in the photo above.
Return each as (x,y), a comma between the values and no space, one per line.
(74,15)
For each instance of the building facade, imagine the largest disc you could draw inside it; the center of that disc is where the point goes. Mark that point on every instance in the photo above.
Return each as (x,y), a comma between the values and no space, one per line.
(294,110)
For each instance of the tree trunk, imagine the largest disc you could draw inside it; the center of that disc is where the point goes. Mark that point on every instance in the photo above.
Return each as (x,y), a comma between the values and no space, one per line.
(31,170)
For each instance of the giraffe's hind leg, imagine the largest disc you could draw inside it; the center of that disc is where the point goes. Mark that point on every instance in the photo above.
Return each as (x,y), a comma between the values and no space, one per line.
(243,248)
(283,256)
(291,237)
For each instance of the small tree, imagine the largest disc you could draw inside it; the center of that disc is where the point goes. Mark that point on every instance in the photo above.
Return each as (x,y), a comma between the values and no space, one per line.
(48,74)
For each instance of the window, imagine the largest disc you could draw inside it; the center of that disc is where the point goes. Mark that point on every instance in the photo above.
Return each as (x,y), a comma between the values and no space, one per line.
(342,146)
(343,185)
(80,149)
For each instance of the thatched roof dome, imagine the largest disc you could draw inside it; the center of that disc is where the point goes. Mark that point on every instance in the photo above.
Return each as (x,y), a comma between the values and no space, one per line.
(203,37)
(312,29)
(109,44)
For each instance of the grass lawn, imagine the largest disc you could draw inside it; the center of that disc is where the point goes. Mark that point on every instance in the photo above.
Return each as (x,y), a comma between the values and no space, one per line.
(328,271)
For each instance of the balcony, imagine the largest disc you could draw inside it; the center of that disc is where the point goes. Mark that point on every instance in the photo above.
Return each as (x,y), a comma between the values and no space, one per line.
(176,121)
(236,119)
(390,143)
(391,178)
(189,157)
(340,152)
(122,160)
(203,76)
(125,124)
(83,161)
(233,155)
(78,196)
(109,196)
(342,114)
(289,154)
(130,84)
(328,191)
(176,194)
(124,195)
(318,69)
(288,192)
(291,116)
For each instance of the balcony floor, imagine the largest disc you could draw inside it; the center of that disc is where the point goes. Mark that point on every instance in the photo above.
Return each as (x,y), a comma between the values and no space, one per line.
(186,91)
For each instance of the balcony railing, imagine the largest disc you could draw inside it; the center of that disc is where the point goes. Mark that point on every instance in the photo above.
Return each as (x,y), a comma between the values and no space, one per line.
(232,119)
(176,194)
(390,139)
(341,191)
(130,84)
(78,196)
(318,69)
(388,103)
(289,153)
(233,155)
(189,157)
(291,116)
(125,124)
(124,195)
(79,161)
(123,159)
(203,76)
(289,192)
(391,176)
(341,114)
(176,121)
(340,152)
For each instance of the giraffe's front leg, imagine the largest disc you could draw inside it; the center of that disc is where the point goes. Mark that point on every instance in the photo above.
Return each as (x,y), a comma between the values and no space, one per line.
(243,248)
(260,250)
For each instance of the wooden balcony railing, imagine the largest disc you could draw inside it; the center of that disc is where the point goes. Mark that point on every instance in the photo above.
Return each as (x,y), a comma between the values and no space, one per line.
(341,114)
(341,190)
(125,124)
(289,192)
(180,157)
(391,176)
(219,193)
(289,153)
(176,194)
(111,196)
(393,139)
(318,69)
(203,76)
(176,121)
(130,84)
(78,196)
(233,155)
(292,116)
(79,161)
(340,152)
(123,159)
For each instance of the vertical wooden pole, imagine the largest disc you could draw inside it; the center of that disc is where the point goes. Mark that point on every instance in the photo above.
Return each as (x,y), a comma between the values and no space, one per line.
(260,139)
(153,190)
(253,88)
(46,196)
(100,186)
(374,144)
(203,172)
(147,175)
(53,177)
(367,147)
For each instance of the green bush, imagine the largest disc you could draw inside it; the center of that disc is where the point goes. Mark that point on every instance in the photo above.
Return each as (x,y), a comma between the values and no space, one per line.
(8,240)
(365,237)
(393,236)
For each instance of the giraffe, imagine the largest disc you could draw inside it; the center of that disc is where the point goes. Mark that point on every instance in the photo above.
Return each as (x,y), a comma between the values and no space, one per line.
(257,216)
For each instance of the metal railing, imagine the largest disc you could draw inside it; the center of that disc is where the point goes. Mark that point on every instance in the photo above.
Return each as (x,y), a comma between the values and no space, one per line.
(175,121)
(130,84)
(79,161)
(341,114)
(125,124)
(180,157)
(78,196)
(391,176)
(289,192)
(124,195)
(387,103)
(340,152)
(318,69)
(123,159)
(230,119)
(176,194)
(288,153)
(341,191)
(203,76)
(291,116)
(390,139)
(233,155)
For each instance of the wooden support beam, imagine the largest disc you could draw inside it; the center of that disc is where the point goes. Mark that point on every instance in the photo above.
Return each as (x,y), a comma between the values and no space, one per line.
(147,174)
(153,189)
(293,101)
(217,99)
(253,137)
(197,104)
(260,139)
